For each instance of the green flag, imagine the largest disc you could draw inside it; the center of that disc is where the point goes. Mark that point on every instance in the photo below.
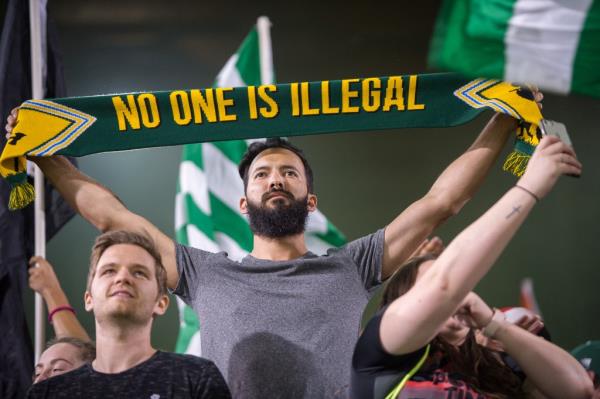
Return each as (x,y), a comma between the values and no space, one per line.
(209,187)
(555,45)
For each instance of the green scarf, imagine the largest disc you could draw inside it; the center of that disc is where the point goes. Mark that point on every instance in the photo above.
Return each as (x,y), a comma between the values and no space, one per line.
(86,125)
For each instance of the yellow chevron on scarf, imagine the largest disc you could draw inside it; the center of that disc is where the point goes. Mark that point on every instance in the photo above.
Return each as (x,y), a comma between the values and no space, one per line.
(513,100)
(43,128)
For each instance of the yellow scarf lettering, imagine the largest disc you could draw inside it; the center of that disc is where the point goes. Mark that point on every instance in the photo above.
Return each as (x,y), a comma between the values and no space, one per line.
(356,95)
(271,110)
(210,105)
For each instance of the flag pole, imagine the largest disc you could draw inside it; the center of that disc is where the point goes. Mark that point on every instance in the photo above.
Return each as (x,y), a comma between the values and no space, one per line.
(37,16)
(263,26)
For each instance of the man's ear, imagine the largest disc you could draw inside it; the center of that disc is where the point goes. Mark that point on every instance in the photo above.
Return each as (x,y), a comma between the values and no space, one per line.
(161,305)
(311,202)
(244,205)
(88,301)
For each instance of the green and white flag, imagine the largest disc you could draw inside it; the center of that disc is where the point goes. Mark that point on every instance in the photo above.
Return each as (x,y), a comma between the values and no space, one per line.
(553,44)
(209,187)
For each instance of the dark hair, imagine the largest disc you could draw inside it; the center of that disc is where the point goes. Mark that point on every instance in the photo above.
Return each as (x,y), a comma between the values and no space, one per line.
(403,279)
(275,142)
(87,349)
(106,240)
(479,366)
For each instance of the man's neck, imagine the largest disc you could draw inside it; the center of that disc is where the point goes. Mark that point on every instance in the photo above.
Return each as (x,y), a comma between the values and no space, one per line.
(285,248)
(120,348)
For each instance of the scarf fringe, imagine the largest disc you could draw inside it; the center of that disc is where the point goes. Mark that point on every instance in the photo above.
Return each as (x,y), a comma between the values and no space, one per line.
(516,163)
(528,137)
(21,195)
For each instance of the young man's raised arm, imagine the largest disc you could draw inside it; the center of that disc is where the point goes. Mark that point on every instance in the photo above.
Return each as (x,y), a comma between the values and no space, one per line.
(452,189)
(99,206)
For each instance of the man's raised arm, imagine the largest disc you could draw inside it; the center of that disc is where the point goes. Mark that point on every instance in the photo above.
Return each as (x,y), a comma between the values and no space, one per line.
(452,189)
(99,206)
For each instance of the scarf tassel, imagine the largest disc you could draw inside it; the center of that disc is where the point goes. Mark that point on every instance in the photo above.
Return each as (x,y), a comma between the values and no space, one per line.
(21,193)
(516,163)
(527,139)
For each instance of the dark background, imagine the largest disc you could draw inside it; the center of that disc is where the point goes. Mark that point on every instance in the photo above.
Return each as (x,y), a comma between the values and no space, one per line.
(363,179)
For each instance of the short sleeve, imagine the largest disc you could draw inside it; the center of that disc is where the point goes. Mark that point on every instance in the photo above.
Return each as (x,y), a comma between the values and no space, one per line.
(191,263)
(369,353)
(367,253)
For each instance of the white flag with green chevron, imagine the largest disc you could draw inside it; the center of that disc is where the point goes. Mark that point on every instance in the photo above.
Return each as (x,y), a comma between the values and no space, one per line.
(207,215)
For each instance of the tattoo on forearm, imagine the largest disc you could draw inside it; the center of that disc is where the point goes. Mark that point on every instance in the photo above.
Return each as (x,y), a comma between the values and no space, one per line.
(515,209)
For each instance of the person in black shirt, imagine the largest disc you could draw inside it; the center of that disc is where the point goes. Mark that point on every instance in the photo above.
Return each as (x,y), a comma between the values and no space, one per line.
(126,289)
(163,375)
(426,340)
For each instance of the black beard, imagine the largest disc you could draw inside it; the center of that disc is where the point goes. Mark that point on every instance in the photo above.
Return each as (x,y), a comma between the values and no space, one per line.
(283,220)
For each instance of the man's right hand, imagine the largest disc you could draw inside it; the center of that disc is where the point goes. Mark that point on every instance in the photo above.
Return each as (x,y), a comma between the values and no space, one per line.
(11,121)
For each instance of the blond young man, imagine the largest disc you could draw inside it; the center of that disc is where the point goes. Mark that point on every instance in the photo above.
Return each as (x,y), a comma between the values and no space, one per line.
(126,290)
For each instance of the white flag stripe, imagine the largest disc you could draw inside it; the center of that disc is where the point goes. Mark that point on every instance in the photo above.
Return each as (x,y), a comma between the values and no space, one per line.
(316,223)
(316,245)
(533,50)
(229,75)
(198,239)
(180,306)
(263,27)
(192,180)
(222,179)
(229,245)
(195,346)
(181,216)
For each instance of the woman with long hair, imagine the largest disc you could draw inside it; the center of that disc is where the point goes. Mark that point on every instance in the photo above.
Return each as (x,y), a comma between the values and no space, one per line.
(428,340)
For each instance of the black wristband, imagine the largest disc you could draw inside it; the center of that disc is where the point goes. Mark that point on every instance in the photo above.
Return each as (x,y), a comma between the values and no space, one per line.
(535,197)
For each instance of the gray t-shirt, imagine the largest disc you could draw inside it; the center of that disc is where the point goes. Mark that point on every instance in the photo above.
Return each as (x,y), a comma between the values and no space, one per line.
(281,328)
